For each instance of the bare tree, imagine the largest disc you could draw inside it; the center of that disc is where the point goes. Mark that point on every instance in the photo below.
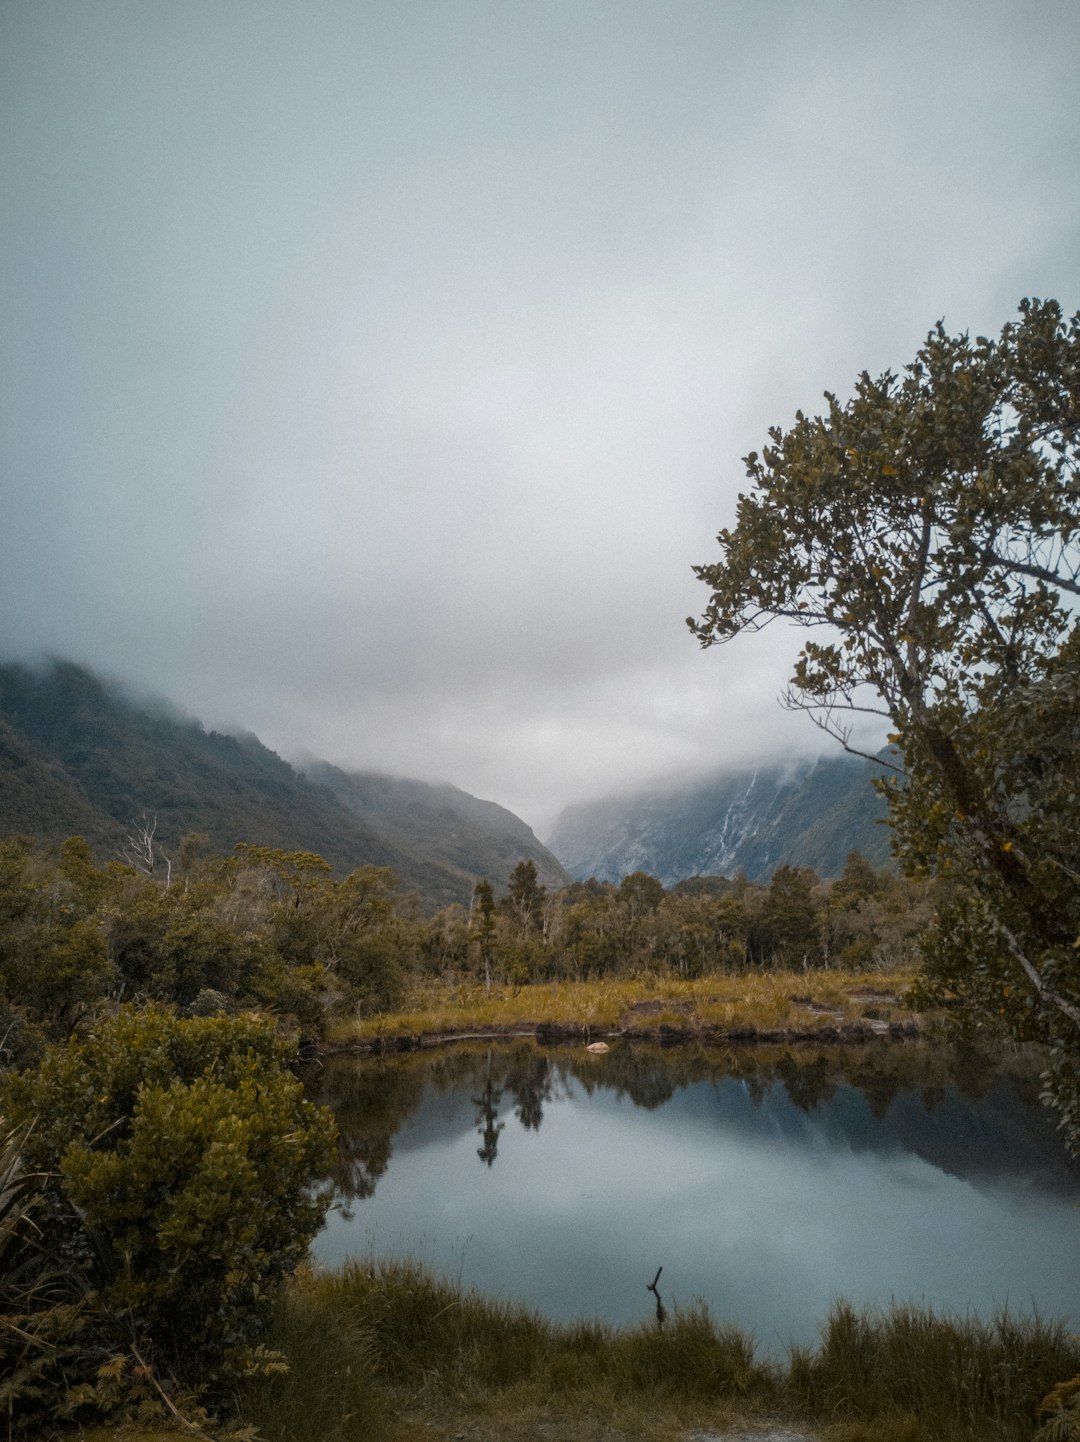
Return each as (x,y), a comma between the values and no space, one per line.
(142,851)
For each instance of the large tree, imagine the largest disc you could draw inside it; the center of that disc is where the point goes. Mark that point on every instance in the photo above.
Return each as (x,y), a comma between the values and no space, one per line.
(926,535)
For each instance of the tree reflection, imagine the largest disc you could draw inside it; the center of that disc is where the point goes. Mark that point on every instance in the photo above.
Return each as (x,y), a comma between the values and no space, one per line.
(808,1084)
(370,1103)
(880,1086)
(487,1116)
(528,1078)
(373,1098)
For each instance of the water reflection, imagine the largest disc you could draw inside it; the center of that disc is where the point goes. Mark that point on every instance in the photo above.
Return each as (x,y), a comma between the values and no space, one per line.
(487,1117)
(765,1182)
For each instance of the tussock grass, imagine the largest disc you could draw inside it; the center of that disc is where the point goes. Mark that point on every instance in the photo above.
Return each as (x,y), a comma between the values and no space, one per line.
(754,1000)
(381,1351)
(691,1358)
(967,1377)
(330,1390)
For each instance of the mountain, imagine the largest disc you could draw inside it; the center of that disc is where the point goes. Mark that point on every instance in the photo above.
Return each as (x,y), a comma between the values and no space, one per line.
(78,757)
(39,797)
(462,833)
(809,814)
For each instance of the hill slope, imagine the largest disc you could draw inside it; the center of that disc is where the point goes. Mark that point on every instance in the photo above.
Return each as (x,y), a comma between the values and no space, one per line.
(468,836)
(76,757)
(810,815)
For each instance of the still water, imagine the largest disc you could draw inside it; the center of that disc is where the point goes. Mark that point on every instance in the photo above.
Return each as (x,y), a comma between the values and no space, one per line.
(765,1184)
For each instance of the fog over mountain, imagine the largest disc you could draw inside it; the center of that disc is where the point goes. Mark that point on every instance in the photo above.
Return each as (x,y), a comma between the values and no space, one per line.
(371,375)
(78,757)
(798,814)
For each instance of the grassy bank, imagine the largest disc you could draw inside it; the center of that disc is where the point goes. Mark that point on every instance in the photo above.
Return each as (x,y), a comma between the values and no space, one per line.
(724,1007)
(386,1353)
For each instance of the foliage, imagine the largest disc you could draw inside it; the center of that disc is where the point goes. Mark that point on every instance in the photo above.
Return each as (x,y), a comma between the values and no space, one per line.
(484,905)
(180,1155)
(53,959)
(264,928)
(927,532)
(1060,1411)
(43,1311)
(525,897)
(429,1356)
(786,926)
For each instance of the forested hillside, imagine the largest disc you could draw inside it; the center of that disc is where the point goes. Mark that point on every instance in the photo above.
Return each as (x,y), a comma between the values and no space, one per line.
(447,826)
(78,758)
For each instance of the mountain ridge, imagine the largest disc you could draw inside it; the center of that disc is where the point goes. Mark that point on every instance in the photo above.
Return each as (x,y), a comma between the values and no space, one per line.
(752,819)
(81,757)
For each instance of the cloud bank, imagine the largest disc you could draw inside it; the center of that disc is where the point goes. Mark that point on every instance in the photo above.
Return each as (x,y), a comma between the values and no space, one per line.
(373,375)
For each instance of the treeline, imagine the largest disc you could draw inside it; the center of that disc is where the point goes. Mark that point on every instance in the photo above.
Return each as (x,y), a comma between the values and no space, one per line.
(864,919)
(276,931)
(262,929)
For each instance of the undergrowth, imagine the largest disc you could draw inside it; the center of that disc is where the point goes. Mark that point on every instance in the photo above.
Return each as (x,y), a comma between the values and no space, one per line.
(378,1348)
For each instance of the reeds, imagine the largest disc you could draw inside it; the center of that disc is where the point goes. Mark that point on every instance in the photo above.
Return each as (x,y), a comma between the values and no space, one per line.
(977,1378)
(378,1345)
(331,1389)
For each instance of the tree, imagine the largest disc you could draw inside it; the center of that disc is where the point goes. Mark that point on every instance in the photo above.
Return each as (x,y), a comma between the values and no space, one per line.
(54,967)
(641,894)
(856,882)
(786,931)
(484,903)
(142,851)
(526,897)
(927,534)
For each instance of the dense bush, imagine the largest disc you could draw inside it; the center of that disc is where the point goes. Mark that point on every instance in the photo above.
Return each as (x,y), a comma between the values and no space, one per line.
(180,1157)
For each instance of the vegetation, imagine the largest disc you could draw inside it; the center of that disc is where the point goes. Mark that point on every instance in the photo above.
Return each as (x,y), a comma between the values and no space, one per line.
(157,1190)
(156,1186)
(422,1355)
(762,1005)
(158,1170)
(928,534)
(80,757)
(158,1156)
(278,932)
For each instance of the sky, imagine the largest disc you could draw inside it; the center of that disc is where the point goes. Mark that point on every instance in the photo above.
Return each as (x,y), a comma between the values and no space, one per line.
(373,372)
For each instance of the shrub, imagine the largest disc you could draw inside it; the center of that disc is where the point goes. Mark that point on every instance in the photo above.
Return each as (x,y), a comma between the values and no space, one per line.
(182,1155)
(44,1310)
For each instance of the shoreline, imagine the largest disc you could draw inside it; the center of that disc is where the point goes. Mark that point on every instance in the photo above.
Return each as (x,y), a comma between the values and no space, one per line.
(546,1033)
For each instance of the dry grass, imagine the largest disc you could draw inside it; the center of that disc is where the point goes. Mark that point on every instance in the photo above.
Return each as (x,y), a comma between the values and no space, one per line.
(760,1001)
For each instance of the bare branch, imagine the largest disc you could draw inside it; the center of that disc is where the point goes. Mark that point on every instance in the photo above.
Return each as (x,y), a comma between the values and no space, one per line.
(140,849)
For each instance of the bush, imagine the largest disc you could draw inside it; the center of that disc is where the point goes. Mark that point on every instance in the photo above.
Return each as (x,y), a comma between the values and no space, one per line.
(42,1311)
(182,1155)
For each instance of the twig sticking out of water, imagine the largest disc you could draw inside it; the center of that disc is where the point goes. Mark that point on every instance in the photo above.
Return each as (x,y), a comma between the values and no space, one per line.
(661,1314)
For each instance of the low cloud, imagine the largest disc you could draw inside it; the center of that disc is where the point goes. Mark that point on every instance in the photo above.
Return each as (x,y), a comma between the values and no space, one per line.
(374,376)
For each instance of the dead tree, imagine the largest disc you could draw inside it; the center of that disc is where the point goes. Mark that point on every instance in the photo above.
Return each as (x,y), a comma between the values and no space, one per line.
(142,851)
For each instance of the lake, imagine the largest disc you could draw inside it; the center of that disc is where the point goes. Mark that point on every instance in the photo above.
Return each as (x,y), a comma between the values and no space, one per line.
(765,1183)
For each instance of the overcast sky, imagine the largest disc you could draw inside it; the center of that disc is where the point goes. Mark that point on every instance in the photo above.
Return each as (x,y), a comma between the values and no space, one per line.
(374,371)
